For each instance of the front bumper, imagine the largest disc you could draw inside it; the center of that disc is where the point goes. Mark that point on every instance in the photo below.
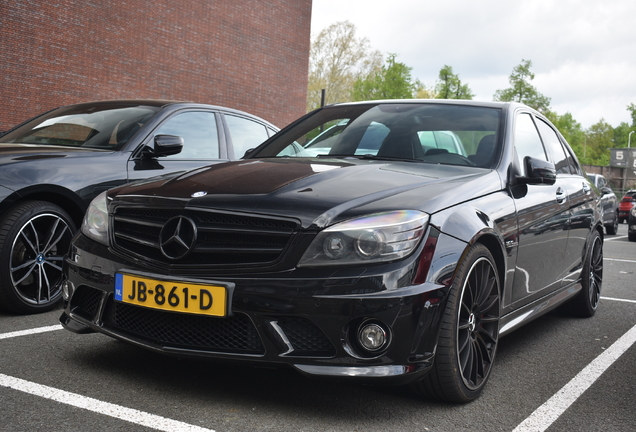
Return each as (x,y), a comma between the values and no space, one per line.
(307,319)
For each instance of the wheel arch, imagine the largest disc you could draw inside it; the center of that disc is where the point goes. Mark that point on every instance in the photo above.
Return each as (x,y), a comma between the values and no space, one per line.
(495,247)
(65,198)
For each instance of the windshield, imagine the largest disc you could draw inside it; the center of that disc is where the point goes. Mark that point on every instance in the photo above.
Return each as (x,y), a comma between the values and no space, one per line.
(99,126)
(435,133)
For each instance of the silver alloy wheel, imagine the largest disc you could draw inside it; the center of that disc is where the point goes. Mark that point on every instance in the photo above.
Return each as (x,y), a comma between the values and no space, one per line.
(37,253)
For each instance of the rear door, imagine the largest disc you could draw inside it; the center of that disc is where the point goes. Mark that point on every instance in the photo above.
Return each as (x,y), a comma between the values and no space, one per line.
(581,200)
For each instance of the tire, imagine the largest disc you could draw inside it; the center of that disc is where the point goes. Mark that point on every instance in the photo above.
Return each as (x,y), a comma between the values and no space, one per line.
(631,236)
(621,220)
(469,332)
(34,237)
(584,305)
(613,228)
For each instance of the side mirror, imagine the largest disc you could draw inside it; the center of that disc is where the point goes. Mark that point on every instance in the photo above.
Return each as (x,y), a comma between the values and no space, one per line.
(166,145)
(538,171)
(606,190)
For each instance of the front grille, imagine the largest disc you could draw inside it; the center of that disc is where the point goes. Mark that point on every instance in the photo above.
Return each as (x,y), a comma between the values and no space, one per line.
(85,302)
(234,334)
(222,239)
(305,337)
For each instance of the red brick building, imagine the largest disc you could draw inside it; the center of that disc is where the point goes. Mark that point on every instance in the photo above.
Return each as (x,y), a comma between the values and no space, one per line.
(246,54)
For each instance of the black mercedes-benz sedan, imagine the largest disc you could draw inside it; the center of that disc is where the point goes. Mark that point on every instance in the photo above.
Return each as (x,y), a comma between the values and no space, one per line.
(52,166)
(392,242)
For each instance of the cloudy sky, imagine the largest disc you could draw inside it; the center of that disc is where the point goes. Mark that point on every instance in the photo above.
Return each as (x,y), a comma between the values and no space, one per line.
(583,52)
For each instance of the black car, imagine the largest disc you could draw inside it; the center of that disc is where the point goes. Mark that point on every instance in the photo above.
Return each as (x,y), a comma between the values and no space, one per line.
(609,203)
(631,225)
(402,263)
(53,165)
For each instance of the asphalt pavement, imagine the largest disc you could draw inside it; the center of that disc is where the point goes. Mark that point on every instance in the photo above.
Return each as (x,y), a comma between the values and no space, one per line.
(557,373)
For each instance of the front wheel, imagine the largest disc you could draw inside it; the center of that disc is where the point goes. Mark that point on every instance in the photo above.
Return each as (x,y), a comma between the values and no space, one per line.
(469,332)
(34,237)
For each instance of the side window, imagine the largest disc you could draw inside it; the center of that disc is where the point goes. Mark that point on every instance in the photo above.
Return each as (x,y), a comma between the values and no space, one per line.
(527,141)
(554,147)
(245,134)
(601,182)
(199,133)
(574,166)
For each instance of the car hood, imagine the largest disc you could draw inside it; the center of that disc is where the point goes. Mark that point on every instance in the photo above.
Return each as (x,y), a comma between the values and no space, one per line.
(318,192)
(12,153)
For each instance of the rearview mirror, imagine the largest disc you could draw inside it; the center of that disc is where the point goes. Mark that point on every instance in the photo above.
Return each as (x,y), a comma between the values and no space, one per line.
(166,145)
(538,171)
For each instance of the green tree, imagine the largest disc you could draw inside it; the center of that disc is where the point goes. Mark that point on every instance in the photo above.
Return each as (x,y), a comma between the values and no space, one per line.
(521,90)
(449,86)
(338,58)
(571,130)
(621,135)
(392,81)
(598,142)
(632,112)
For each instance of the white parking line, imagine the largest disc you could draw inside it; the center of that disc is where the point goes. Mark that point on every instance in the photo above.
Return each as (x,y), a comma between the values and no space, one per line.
(30,331)
(550,411)
(618,300)
(105,408)
(614,238)
(619,260)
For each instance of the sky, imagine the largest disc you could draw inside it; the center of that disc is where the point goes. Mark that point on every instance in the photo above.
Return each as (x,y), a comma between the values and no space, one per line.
(583,52)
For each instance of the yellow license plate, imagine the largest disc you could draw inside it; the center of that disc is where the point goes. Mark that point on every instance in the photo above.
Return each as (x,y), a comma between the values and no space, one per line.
(173,296)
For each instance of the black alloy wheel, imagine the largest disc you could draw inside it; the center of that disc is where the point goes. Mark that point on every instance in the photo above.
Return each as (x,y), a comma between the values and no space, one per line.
(613,228)
(34,237)
(586,302)
(469,332)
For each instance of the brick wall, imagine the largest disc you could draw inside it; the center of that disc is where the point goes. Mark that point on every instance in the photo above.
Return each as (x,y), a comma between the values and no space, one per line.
(246,54)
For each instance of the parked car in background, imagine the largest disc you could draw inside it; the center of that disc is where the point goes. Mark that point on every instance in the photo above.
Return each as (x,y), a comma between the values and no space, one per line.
(627,203)
(397,265)
(609,203)
(631,225)
(53,165)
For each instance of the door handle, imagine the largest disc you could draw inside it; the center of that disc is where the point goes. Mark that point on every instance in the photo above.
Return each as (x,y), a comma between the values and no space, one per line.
(560,196)
(586,187)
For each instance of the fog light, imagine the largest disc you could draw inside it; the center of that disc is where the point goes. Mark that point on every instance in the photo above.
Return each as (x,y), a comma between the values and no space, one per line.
(67,289)
(372,337)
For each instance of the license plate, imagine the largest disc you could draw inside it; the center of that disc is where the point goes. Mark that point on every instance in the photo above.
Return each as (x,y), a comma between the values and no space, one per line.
(172,296)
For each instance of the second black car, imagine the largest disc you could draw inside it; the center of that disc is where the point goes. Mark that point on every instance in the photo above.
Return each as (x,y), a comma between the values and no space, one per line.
(53,165)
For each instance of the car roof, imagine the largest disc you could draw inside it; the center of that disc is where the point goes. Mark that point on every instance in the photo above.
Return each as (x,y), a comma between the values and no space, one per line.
(487,104)
(163,103)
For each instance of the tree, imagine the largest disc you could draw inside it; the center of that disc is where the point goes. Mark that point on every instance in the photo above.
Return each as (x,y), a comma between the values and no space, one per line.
(620,137)
(632,112)
(338,58)
(571,130)
(521,90)
(392,81)
(450,86)
(422,91)
(598,142)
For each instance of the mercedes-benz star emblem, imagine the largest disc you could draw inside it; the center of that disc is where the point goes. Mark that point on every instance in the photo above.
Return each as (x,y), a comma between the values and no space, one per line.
(178,237)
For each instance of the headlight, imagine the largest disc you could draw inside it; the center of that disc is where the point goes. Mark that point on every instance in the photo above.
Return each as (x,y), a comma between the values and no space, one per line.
(95,224)
(633,211)
(375,238)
